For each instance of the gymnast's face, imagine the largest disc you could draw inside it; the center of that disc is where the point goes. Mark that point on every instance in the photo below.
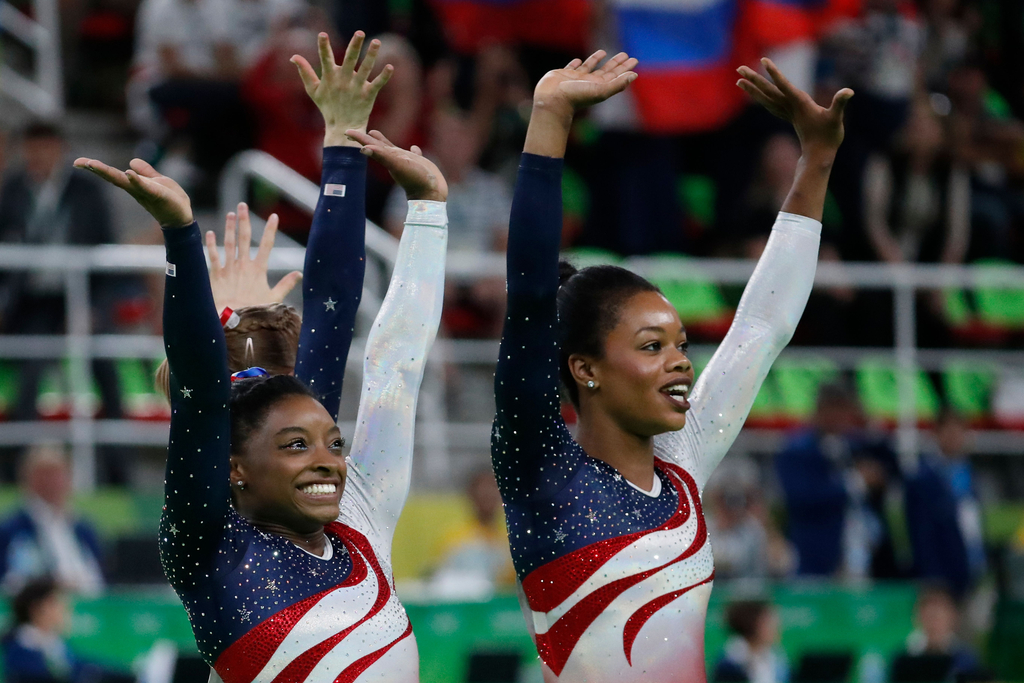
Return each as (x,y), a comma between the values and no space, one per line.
(292,469)
(644,377)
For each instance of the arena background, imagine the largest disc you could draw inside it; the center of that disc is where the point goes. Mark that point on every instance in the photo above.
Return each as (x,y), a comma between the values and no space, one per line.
(915,328)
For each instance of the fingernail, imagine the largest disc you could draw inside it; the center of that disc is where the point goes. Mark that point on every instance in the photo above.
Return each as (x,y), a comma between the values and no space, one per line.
(366,151)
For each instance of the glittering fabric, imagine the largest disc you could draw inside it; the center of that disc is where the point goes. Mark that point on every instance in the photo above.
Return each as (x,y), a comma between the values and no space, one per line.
(261,608)
(615,581)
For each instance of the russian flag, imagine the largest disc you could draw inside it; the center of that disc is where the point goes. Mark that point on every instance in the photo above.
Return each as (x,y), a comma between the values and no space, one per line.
(472,24)
(689,51)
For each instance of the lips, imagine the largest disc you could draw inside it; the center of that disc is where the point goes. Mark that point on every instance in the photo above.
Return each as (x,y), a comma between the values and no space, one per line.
(677,393)
(325,490)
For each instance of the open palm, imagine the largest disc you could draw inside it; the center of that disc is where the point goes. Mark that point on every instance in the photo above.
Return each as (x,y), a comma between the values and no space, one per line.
(159,195)
(582,83)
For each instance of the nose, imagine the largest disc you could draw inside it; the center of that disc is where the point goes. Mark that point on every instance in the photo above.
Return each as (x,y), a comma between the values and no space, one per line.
(680,362)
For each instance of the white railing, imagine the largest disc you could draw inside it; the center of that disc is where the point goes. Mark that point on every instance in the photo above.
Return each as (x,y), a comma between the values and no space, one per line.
(436,435)
(42,92)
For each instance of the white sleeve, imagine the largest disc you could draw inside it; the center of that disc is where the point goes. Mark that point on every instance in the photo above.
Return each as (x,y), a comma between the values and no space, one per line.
(772,303)
(380,462)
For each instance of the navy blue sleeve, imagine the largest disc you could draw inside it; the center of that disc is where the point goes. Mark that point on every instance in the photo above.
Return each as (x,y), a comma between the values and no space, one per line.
(528,426)
(332,282)
(197,486)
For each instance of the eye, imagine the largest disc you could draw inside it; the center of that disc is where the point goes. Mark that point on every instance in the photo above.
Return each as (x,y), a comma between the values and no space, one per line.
(337,445)
(651,346)
(684,348)
(297,444)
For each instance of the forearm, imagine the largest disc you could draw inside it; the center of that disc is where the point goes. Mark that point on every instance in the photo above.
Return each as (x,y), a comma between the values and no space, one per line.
(396,355)
(807,196)
(333,275)
(548,132)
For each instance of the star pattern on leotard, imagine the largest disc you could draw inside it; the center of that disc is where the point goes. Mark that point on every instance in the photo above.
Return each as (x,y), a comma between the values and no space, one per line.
(173,529)
(272,586)
(592,517)
(186,392)
(618,477)
(245,614)
(329,304)
(560,535)
(597,468)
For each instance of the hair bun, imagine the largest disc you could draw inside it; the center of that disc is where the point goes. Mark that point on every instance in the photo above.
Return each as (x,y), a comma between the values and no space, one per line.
(565,271)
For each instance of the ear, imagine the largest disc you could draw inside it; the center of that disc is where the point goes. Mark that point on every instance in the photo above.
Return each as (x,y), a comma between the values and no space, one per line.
(237,471)
(582,369)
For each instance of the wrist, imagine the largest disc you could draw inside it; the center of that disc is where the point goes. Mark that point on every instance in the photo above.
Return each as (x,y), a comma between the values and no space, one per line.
(554,110)
(335,136)
(818,156)
(426,196)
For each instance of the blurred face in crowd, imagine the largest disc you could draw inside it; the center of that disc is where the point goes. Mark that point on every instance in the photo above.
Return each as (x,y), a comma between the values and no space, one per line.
(766,634)
(42,156)
(937,618)
(837,415)
(484,495)
(48,476)
(951,434)
(50,614)
(644,376)
(453,144)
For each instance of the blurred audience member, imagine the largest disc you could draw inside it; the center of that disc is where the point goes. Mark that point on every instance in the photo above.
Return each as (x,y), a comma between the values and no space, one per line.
(34,650)
(936,632)
(43,537)
(943,512)
(835,481)
(475,555)
(946,42)
(47,202)
(747,545)
(752,653)
(479,204)
(918,203)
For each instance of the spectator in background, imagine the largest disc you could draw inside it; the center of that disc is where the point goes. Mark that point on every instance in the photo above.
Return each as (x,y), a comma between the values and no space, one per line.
(937,622)
(43,537)
(943,511)
(747,545)
(34,650)
(475,556)
(46,202)
(835,478)
(479,204)
(752,653)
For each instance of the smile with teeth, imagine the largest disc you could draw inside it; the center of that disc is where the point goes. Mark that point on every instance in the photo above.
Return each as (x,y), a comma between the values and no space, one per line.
(319,489)
(677,390)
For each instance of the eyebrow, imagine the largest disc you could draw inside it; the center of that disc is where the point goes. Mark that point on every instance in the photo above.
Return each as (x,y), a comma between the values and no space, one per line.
(301,430)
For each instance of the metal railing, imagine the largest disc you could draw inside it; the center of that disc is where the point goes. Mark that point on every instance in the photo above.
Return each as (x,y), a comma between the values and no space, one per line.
(437,436)
(42,92)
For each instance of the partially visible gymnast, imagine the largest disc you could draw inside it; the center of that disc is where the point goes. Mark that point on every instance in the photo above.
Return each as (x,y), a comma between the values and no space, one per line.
(607,534)
(278,547)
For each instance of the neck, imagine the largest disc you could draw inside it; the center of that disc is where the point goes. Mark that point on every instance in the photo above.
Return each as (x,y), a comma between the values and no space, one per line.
(603,438)
(314,542)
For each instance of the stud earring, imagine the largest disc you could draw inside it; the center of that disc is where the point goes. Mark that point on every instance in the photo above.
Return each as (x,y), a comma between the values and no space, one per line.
(240,484)
(591,384)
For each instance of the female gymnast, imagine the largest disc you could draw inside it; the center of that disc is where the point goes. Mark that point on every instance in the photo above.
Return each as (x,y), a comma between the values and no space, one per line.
(607,533)
(278,547)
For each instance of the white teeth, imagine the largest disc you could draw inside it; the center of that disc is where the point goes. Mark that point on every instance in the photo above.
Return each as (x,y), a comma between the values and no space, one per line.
(678,390)
(319,489)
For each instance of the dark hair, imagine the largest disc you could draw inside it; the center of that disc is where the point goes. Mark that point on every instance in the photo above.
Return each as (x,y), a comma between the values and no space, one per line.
(274,332)
(39,130)
(34,593)
(252,399)
(935,591)
(589,302)
(742,616)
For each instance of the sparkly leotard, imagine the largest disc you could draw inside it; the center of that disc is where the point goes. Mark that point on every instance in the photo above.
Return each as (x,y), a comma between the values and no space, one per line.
(261,608)
(615,580)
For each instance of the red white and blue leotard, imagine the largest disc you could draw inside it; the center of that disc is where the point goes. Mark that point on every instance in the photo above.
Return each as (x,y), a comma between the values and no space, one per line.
(261,608)
(614,580)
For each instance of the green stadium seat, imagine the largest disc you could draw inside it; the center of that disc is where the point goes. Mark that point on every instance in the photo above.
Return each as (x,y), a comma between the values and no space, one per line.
(878,389)
(999,306)
(697,299)
(968,388)
(798,381)
(138,395)
(8,386)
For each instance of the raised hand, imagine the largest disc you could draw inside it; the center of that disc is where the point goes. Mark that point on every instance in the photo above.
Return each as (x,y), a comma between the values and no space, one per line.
(418,176)
(159,195)
(817,127)
(582,84)
(241,280)
(343,93)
